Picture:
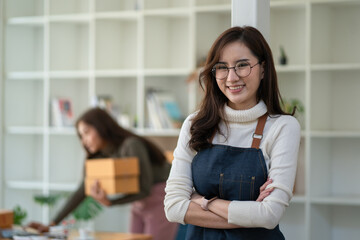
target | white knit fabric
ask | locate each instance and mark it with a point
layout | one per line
(280, 145)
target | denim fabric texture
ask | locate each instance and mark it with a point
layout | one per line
(230, 173)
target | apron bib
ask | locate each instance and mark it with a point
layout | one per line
(231, 173)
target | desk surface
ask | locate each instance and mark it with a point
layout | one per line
(116, 236)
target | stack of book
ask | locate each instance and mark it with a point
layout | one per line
(61, 112)
(163, 110)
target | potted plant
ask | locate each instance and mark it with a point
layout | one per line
(291, 105)
(294, 106)
(283, 57)
(20, 215)
(84, 215)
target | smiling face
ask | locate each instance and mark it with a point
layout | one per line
(90, 137)
(240, 91)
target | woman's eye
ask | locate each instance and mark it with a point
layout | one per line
(221, 67)
(242, 64)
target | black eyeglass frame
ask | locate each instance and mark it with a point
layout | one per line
(213, 70)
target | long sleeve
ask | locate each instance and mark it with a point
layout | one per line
(135, 148)
(281, 146)
(179, 185)
(77, 197)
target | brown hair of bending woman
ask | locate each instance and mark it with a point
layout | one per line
(110, 131)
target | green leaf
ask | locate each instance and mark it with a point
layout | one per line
(87, 210)
(49, 200)
(289, 105)
(19, 215)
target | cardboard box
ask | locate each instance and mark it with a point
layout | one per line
(169, 156)
(116, 175)
(6, 218)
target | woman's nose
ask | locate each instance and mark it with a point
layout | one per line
(232, 76)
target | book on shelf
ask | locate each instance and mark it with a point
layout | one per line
(163, 110)
(61, 112)
(118, 113)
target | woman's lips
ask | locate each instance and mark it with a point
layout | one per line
(236, 88)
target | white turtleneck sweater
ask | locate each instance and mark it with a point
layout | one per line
(280, 145)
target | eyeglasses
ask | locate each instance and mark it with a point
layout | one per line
(242, 69)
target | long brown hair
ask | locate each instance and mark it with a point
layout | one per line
(206, 122)
(110, 131)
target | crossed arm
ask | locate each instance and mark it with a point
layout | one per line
(217, 216)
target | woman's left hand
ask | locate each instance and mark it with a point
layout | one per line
(197, 198)
(264, 192)
(99, 194)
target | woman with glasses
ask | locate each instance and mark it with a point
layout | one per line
(239, 138)
(102, 137)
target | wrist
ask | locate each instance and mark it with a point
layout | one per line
(205, 203)
(107, 202)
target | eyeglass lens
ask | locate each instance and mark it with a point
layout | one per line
(221, 71)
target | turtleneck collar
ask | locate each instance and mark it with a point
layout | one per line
(247, 115)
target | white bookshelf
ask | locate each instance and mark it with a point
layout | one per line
(322, 71)
(78, 49)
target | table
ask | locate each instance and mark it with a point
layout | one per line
(116, 236)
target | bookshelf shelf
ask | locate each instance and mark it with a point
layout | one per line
(214, 8)
(32, 185)
(158, 133)
(335, 134)
(69, 74)
(337, 200)
(290, 68)
(286, 5)
(83, 49)
(167, 72)
(75, 18)
(25, 76)
(116, 73)
(335, 67)
(27, 21)
(168, 12)
(25, 130)
(123, 15)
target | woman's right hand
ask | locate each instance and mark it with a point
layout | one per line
(99, 194)
(265, 192)
(39, 227)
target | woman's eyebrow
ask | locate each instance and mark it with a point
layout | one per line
(240, 60)
(243, 60)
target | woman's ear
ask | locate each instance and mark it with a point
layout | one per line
(262, 69)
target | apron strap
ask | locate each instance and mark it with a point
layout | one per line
(258, 134)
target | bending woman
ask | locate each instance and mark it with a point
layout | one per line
(102, 137)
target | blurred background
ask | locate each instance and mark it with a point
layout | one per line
(140, 60)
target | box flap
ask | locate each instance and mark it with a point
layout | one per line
(112, 167)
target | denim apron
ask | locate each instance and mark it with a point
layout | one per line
(231, 173)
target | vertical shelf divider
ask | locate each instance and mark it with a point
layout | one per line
(192, 86)
(307, 117)
(140, 76)
(46, 99)
(2, 103)
(92, 52)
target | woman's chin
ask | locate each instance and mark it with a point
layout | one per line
(92, 150)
